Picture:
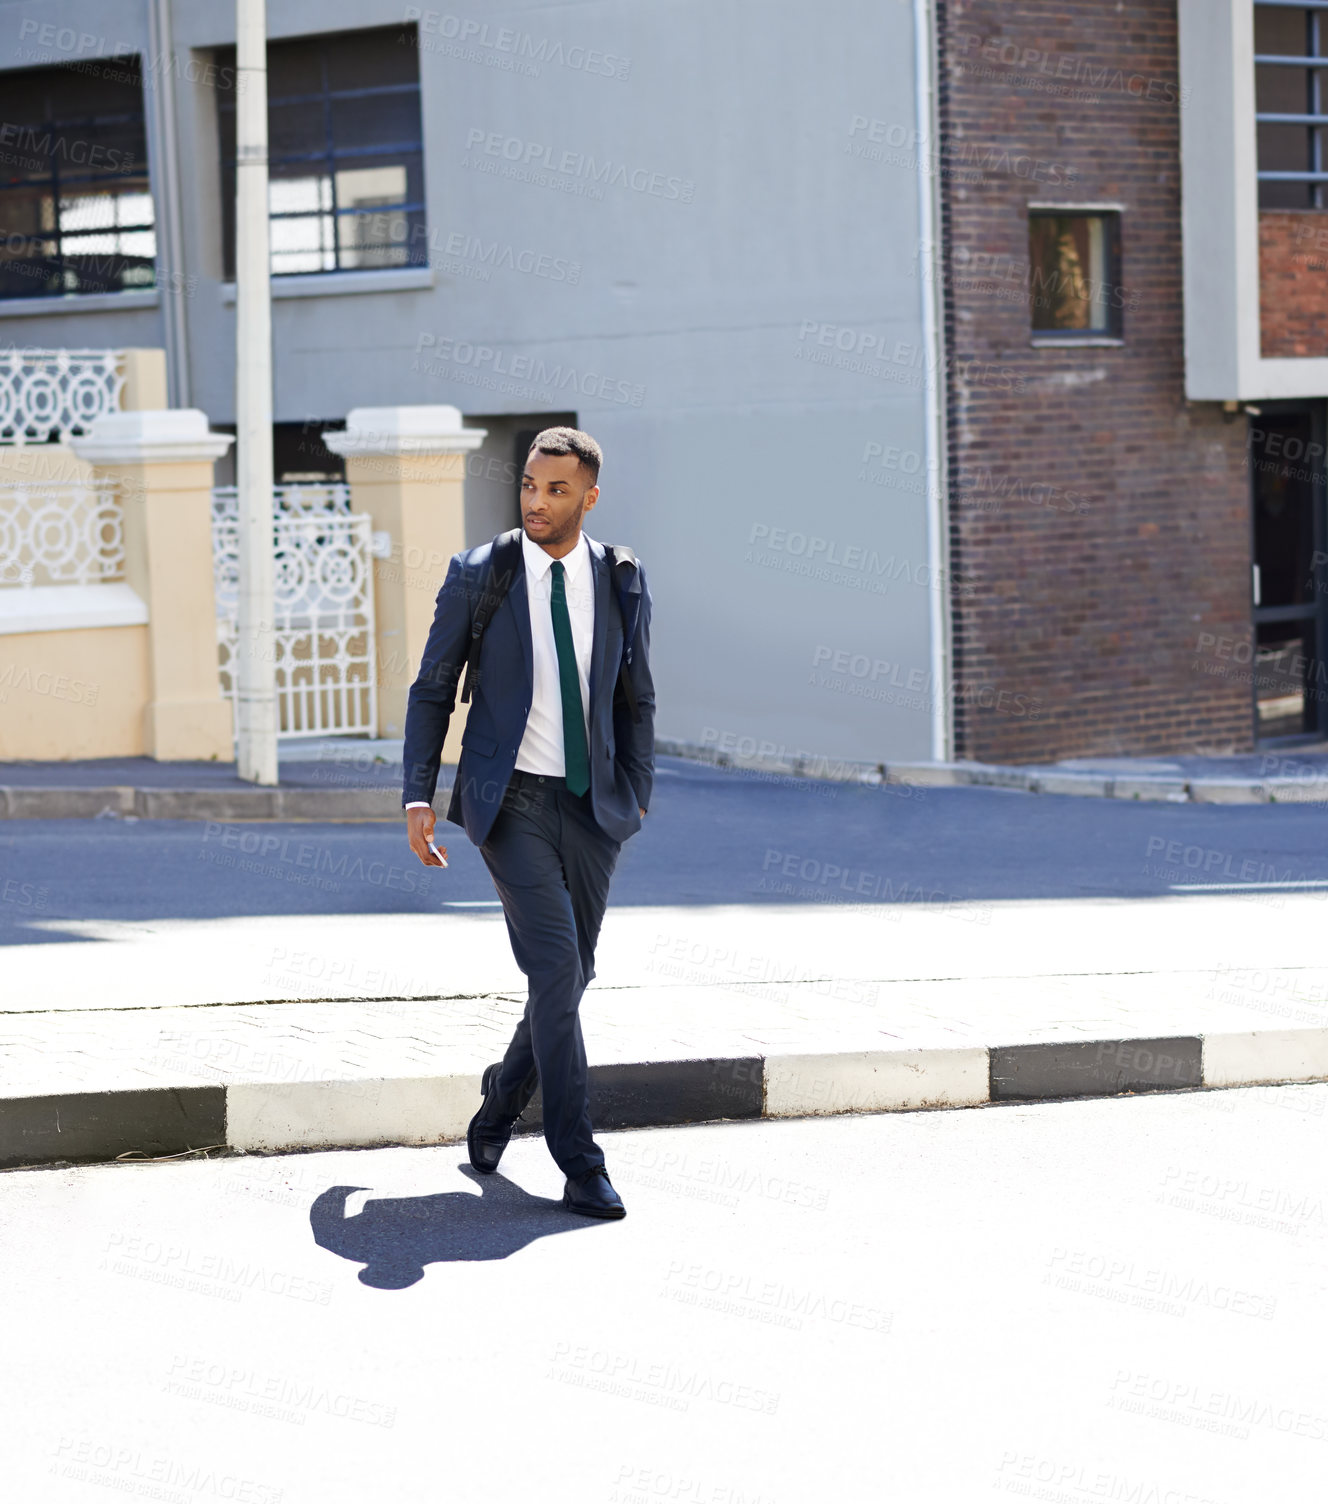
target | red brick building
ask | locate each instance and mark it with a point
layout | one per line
(1129, 191)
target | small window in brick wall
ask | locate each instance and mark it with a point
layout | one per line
(1074, 275)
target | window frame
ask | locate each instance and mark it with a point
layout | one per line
(57, 184)
(1113, 259)
(1314, 119)
(334, 158)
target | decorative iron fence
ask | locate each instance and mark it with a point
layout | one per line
(45, 393)
(305, 499)
(60, 535)
(327, 680)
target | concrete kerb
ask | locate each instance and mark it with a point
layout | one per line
(1166, 790)
(1090, 785)
(22, 803)
(1228, 789)
(284, 803)
(27, 803)
(286, 1116)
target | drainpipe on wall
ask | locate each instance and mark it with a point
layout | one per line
(933, 339)
(255, 679)
(165, 174)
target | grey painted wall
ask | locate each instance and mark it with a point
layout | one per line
(704, 307)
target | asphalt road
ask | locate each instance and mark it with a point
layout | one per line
(711, 837)
(1105, 1300)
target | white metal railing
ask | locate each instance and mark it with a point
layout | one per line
(56, 392)
(305, 498)
(324, 611)
(60, 535)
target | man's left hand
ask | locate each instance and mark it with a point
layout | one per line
(643, 813)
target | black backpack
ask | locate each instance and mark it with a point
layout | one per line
(505, 558)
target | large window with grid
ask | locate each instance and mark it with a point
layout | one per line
(75, 203)
(345, 153)
(1291, 102)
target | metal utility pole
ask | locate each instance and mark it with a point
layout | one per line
(256, 679)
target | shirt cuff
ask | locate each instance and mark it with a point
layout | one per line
(419, 804)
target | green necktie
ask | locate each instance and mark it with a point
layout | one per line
(576, 758)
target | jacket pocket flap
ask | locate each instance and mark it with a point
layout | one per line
(482, 746)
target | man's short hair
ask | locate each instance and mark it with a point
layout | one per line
(571, 441)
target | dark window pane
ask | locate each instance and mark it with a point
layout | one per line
(1071, 278)
(1284, 148)
(376, 120)
(1286, 196)
(1284, 699)
(1279, 29)
(1283, 508)
(365, 60)
(296, 129)
(76, 210)
(1279, 90)
(294, 68)
(226, 127)
(28, 268)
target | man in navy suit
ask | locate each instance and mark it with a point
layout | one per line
(556, 771)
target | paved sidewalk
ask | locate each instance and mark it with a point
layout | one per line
(1122, 1300)
(152, 1005)
(155, 1045)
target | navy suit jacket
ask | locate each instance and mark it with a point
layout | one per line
(622, 751)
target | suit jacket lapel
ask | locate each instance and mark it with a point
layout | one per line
(599, 566)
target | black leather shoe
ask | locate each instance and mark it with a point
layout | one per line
(593, 1196)
(489, 1130)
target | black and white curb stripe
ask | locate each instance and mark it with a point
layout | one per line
(269, 1117)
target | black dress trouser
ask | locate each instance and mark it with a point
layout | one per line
(551, 864)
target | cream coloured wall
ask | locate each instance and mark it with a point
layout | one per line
(43, 464)
(78, 676)
(73, 694)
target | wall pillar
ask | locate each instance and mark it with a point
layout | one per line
(161, 465)
(145, 380)
(407, 468)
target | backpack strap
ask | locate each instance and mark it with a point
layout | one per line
(626, 576)
(504, 561)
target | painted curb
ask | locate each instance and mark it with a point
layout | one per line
(19, 802)
(283, 1116)
(1210, 789)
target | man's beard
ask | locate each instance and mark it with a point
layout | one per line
(568, 530)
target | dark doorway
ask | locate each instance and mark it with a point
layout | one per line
(298, 453)
(1289, 577)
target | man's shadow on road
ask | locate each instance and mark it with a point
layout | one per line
(396, 1238)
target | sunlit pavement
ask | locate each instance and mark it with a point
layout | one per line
(1114, 1299)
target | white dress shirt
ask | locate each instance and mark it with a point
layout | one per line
(541, 749)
